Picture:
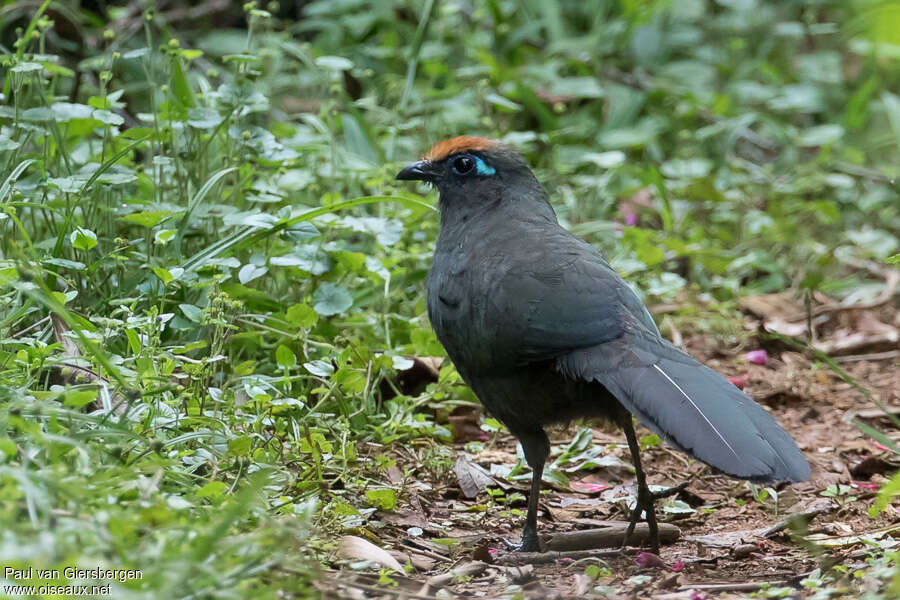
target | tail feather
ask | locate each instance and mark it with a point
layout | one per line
(692, 407)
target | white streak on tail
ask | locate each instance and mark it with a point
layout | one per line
(678, 387)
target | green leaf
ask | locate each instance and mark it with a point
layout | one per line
(334, 63)
(190, 53)
(694, 168)
(108, 117)
(650, 441)
(213, 489)
(385, 499)
(886, 495)
(877, 241)
(331, 299)
(83, 239)
(302, 315)
(8, 447)
(164, 236)
(821, 135)
(319, 368)
(285, 357)
(240, 446)
(65, 263)
(79, 398)
(180, 86)
(27, 67)
(677, 507)
(134, 341)
(204, 118)
(68, 111)
(250, 272)
(193, 313)
(319, 443)
(163, 274)
(147, 218)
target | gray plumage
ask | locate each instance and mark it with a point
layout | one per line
(544, 330)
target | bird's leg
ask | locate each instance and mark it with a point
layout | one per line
(537, 448)
(645, 499)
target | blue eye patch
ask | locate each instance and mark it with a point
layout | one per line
(482, 167)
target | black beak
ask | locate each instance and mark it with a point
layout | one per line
(418, 171)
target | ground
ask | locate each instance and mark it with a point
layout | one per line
(726, 547)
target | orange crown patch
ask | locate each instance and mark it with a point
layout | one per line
(463, 143)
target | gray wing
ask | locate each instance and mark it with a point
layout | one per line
(584, 316)
(572, 299)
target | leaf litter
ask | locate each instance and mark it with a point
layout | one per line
(735, 538)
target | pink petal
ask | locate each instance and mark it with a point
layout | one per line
(631, 219)
(757, 357)
(740, 381)
(678, 566)
(697, 596)
(588, 488)
(648, 560)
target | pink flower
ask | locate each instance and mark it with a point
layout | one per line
(648, 560)
(740, 381)
(678, 566)
(697, 596)
(757, 357)
(631, 219)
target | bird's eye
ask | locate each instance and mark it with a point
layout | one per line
(463, 165)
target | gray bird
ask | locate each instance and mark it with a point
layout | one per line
(544, 331)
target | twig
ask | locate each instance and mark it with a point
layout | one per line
(611, 535)
(408, 546)
(468, 569)
(369, 588)
(873, 356)
(543, 558)
(820, 507)
(749, 586)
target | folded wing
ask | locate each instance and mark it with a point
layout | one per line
(586, 318)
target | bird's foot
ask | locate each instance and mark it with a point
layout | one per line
(529, 543)
(645, 504)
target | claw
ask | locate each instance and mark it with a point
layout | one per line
(528, 544)
(646, 501)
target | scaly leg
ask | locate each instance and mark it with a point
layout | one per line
(537, 448)
(645, 499)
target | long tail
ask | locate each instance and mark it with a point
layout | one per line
(692, 407)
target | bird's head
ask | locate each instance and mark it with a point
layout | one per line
(472, 172)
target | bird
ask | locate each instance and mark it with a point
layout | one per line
(544, 330)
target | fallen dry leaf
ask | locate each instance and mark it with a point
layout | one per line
(473, 479)
(356, 548)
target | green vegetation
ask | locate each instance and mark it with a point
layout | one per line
(209, 279)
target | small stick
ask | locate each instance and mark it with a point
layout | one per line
(749, 586)
(543, 558)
